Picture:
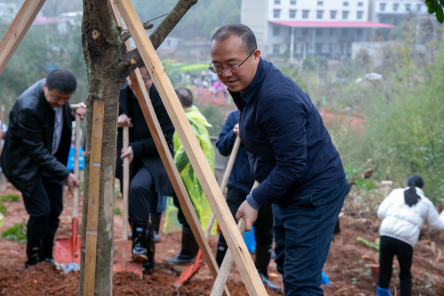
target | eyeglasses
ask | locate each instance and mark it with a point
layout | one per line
(231, 68)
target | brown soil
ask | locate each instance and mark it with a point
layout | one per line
(348, 264)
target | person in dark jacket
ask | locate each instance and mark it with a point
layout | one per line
(35, 155)
(239, 186)
(148, 177)
(290, 154)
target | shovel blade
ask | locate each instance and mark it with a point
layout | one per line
(189, 272)
(64, 252)
(134, 267)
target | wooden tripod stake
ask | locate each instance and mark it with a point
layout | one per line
(197, 158)
(93, 198)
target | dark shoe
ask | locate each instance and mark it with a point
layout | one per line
(33, 252)
(47, 246)
(220, 253)
(189, 249)
(139, 251)
(155, 223)
(267, 282)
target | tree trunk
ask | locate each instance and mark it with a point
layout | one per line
(108, 64)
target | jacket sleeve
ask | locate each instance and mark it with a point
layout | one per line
(32, 137)
(283, 119)
(386, 204)
(433, 218)
(226, 138)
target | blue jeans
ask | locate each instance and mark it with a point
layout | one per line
(303, 233)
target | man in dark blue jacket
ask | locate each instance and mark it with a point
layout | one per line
(239, 186)
(290, 154)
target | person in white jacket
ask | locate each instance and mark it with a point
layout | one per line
(403, 213)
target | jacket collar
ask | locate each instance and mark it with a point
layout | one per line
(254, 86)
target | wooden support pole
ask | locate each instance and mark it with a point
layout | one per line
(92, 221)
(227, 263)
(168, 161)
(197, 158)
(17, 30)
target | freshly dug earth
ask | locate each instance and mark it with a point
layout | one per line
(348, 263)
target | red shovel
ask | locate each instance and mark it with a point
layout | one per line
(125, 264)
(67, 251)
(193, 268)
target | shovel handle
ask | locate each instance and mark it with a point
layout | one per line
(125, 184)
(75, 202)
(224, 182)
(227, 263)
(225, 268)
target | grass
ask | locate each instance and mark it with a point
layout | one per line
(9, 197)
(117, 211)
(3, 208)
(16, 232)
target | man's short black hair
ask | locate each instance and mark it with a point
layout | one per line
(62, 80)
(185, 97)
(239, 30)
(142, 66)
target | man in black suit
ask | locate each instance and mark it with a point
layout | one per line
(148, 177)
(35, 154)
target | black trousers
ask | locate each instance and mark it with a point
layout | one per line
(140, 194)
(180, 215)
(44, 205)
(263, 227)
(388, 248)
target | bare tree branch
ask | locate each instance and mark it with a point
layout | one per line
(126, 35)
(168, 23)
(162, 31)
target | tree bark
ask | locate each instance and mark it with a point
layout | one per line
(108, 65)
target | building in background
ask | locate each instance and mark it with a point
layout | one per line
(320, 27)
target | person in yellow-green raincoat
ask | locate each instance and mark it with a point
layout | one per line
(200, 203)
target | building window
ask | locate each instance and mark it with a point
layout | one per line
(276, 31)
(359, 15)
(319, 14)
(360, 4)
(332, 31)
(292, 2)
(276, 13)
(360, 32)
(305, 14)
(277, 2)
(292, 13)
(345, 3)
(382, 6)
(304, 31)
(276, 48)
(318, 31)
(418, 7)
(333, 15)
(395, 7)
(344, 32)
(345, 15)
(320, 3)
(407, 7)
